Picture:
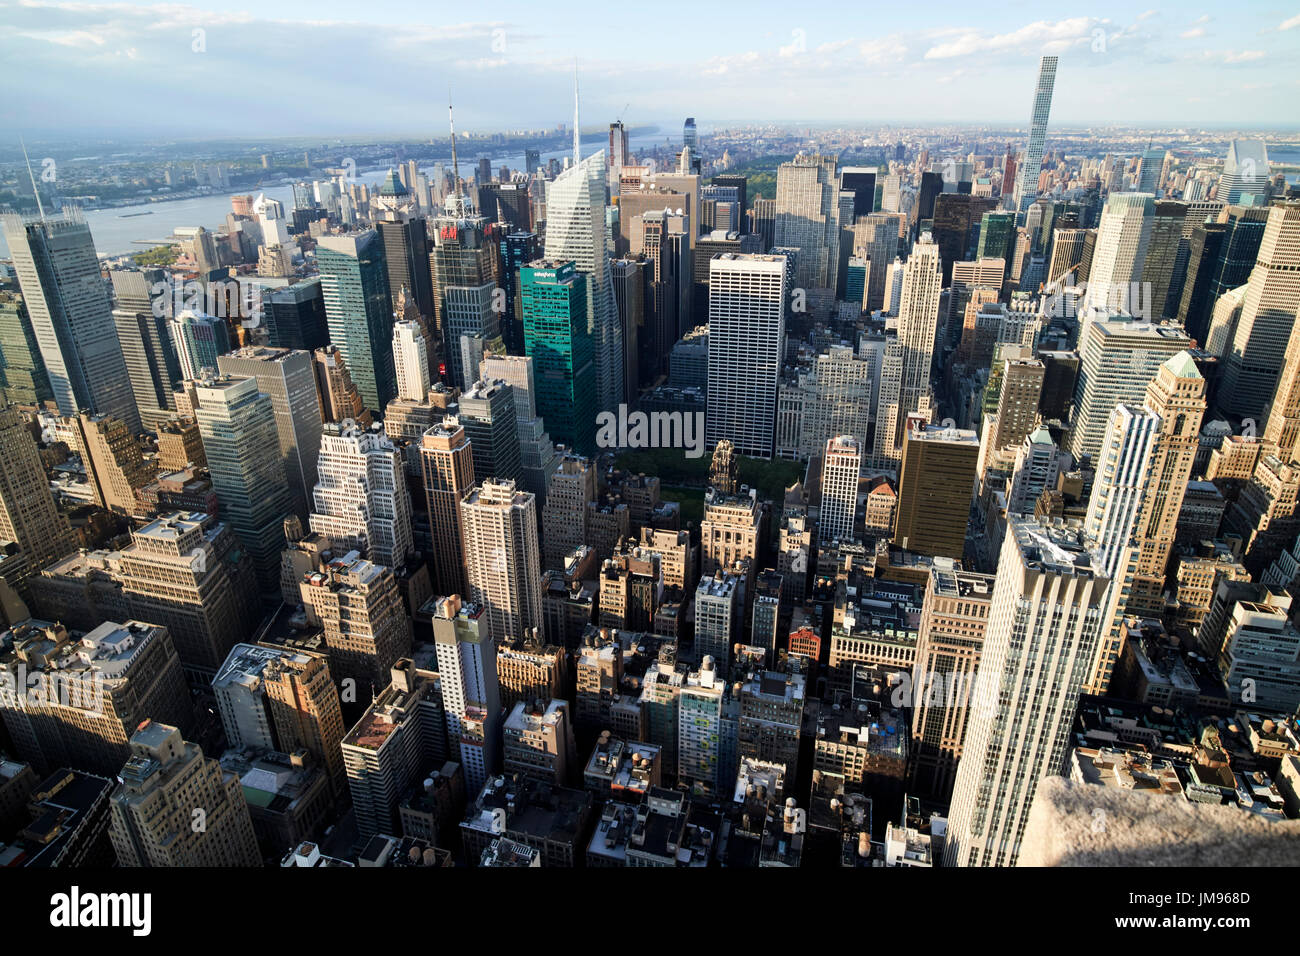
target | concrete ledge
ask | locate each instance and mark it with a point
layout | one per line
(1079, 824)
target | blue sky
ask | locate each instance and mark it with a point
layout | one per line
(293, 67)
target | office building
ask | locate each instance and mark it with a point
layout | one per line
(71, 314)
(175, 807)
(935, 486)
(295, 316)
(948, 650)
(358, 307)
(242, 445)
(538, 741)
(284, 700)
(576, 232)
(503, 563)
(105, 683)
(401, 735)
(147, 349)
(185, 572)
(360, 610)
(553, 303)
(471, 696)
(361, 501)
(807, 219)
(747, 296)
(1117, 360)
(1048, 608)
(1259, 343)
(841, 467)
(288, 378)
(198, 339)
(447, 465)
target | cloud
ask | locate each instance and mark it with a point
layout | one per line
(1193, 33)
(1147, 15)
(1041, 34)
(1290, 24)
(1233, 56)
(1203, 18)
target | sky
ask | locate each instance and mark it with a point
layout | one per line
(231, 68)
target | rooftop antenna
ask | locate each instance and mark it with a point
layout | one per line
(458, 204)
(39, 207)
(576, 136)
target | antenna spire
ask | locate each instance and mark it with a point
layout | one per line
(39, 207)
(458, 204)
(577, 155)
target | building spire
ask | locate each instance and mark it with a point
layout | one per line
(577, 155)
(458, 204)
(41, 208)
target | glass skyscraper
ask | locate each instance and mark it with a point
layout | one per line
(553, 301)
(354, 283)
(575, 231)
(71, 314)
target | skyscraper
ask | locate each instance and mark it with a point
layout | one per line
(1120, 254)
(471, 695)
(185, 571)
(905, 382)
(23, 379)
(576, 232)
(1026, 190)
(401, 735)
(1245, 173)
(410, 361)
(1048, 606)
(295, 316)
(113, 461)
(71, 314)
(366, 629)
(463, 285)
(1117, 361)
(747, 304)
(198, 339)
(28, 514)
(502, 559)
(490, 420)
(1177, 396)
(1260, 340)
(949, 645)
(358, 306)
(237, 423)
(935, 486)
(288, 378)
(360, 500)
(147, 348)
(807, 218)
(448, 468)
(841, 466)
(553, 303)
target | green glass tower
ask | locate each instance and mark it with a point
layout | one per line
(23, 379)
(354, 284)
(553, 301)
(997, 238)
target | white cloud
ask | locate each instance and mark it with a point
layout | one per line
(1193, 33)
(1291, 24)
(1060, 34)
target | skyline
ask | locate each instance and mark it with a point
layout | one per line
(515, 71)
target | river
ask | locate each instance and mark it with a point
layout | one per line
(117, 232)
